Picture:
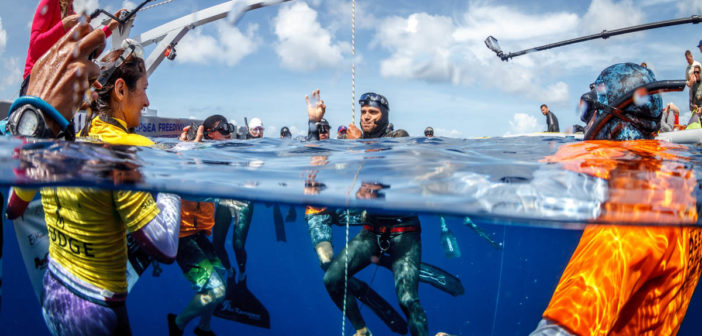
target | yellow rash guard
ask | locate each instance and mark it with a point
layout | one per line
(87, 227)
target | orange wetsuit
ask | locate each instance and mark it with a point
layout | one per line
(196, 217)
(631, 280)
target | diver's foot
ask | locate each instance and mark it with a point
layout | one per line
(202, 332)
(363, 332)
(173, 329)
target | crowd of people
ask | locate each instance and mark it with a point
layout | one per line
(655, 270)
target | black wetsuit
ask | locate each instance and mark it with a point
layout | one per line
(395, 237)
(552, 122)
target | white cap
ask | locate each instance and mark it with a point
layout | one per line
(255, 122)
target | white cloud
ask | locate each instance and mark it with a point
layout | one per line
(523, 123)
(606, 14)
(439, 48)
(129, 5)
(85, 5)
(229, 47)
(303, 45)
(3, 38)
(12, 76)
(689, 7)
(451, 133)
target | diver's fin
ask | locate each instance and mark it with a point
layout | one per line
(292, 215)
(279, 224)
(434, 276)
(377, 304)
(441, 279)
(242, 306)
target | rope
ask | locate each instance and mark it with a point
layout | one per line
(353, 61)
(155, 5)
(348, 195)
(346, 249)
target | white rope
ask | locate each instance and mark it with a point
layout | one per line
(155, 5)
(353, 119)
(353, 61)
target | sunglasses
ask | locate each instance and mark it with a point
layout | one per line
(428, 133)
(616, 110)
(373, 99)
(696, 72)
(131, 47)
(257, 129)
(323, 129)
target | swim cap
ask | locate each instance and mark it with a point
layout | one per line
(342, 128)
(255, 122)
(624, 110)
(378, 101)
(428, 130)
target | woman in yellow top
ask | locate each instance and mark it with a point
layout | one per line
(86, 284)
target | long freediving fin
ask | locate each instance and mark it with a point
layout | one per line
(378, 305)
(434, 276)
(242, 306)
(279, 224)
(441, 279)
(292, 215)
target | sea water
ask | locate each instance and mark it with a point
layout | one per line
(509, 265)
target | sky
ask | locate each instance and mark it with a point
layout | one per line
(427, 57)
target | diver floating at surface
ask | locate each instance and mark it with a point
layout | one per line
(239, 304)
(629, 279)
(393, 240)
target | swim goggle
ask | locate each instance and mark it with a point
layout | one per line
(257, 129)
(224, 128)
(589, 104)
(131, 47)
(375, 100)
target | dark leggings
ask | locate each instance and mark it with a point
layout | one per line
(66, 313)
(242, 222)
(405, 257)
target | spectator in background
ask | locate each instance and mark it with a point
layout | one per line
(341, 132)
(690, 66)
(429, 132)
(551, 120)
(255, 129)
(643, 64)
(285, 133)
(52, 20)
(669, 117)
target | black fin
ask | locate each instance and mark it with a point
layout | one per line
(242, 306)
(441, 279)
(434, 276)
(292, 215)
(377, 304)
(279, 224)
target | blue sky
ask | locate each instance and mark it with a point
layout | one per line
(427, 57)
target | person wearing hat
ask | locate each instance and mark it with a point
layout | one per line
(341, 132)
(429, 132)
(699, 45)
(285, 133)
(255, 129)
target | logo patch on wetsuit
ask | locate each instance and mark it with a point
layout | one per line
(69, 243)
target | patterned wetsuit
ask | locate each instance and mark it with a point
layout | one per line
(631, 280)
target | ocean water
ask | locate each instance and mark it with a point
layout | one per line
(533, 209)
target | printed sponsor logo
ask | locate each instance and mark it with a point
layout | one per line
(69, 243)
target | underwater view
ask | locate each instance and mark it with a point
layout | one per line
(495, 228)
(145, 202)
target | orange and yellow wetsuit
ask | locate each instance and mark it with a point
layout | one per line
(631, 279)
